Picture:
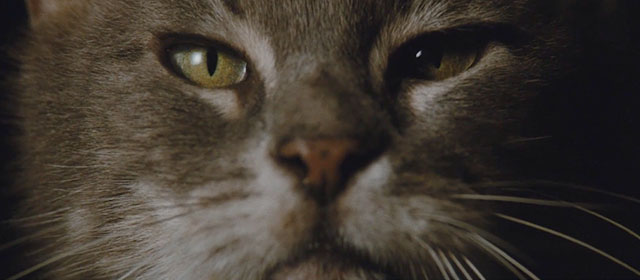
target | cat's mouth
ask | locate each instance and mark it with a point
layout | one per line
(329, 264)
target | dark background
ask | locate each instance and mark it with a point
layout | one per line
(13, 22)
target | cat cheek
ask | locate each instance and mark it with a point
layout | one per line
(422, 99)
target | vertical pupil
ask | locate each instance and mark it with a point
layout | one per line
(431, 56)
(437, 58)
(212, 61)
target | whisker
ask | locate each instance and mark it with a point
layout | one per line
(29, 237)
(542, 202)
(178, 205)
(424, 273)
(191, 211)
(608, 220)
(448, 265)
(72, 270)
(34, 217)
(217, 199)
(439, 264)
(413, 272)
(504, 263)
(602, 217)
(528, 139)
(591, 189)
(486, 244)
(460, 266)
(58, 257)
(471, 231)
(173, 245)
(41, 223)
(170, 218)
(434, 256)
(474, 268)
(559, 185)
(132, 271)
(457, 224)
(571, 239)
(504, 198)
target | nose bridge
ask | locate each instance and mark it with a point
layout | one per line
(325, 128)
(319, 105)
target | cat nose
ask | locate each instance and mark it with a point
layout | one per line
(321, 163)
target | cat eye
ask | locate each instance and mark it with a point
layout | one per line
(440, 55)
(208, 67)
(438, 64)
(432, 58)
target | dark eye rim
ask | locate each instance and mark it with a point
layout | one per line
(469, 37)
(169, 42)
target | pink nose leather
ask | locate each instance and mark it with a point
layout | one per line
(322, 158)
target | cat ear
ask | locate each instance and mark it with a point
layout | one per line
(40, 10)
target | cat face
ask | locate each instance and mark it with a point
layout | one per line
(216, 139)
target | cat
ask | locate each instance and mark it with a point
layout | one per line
(252, 139)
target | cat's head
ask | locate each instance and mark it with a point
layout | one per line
(214, 139)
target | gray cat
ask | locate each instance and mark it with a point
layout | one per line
(346, 139)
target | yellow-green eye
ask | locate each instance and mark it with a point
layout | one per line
(434, 57)
(208, 67)
(440, 65)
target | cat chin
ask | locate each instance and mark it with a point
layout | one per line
(328, 266)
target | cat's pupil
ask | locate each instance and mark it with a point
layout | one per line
(212, 61)
(429, 58)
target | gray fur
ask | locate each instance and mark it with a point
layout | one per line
(151, 181)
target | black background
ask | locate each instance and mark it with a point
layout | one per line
(13, 23)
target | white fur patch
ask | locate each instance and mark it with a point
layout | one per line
(258, 48)
(233, 239)
(422, 98)
(225, 101)
(375, 175)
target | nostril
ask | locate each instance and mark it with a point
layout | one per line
(293, 163)
(356, 161)
(320, 163)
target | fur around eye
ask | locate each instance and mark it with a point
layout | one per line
(440, 55)
(207, 67)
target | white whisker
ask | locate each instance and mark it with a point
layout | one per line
(571, 239)
(542, 202)
(503, 262)
(424, 273)
(542, 183)
(504, 198)
(434, 256)
(57, 258)
(29, 237)
(34, 217)
(602, 217)
(457, 224)
(528, 139)
(474, 268)
(556, 203)
(484, 242)
(448, 265)
(132, 271)
(608, 220)
(460, 266)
